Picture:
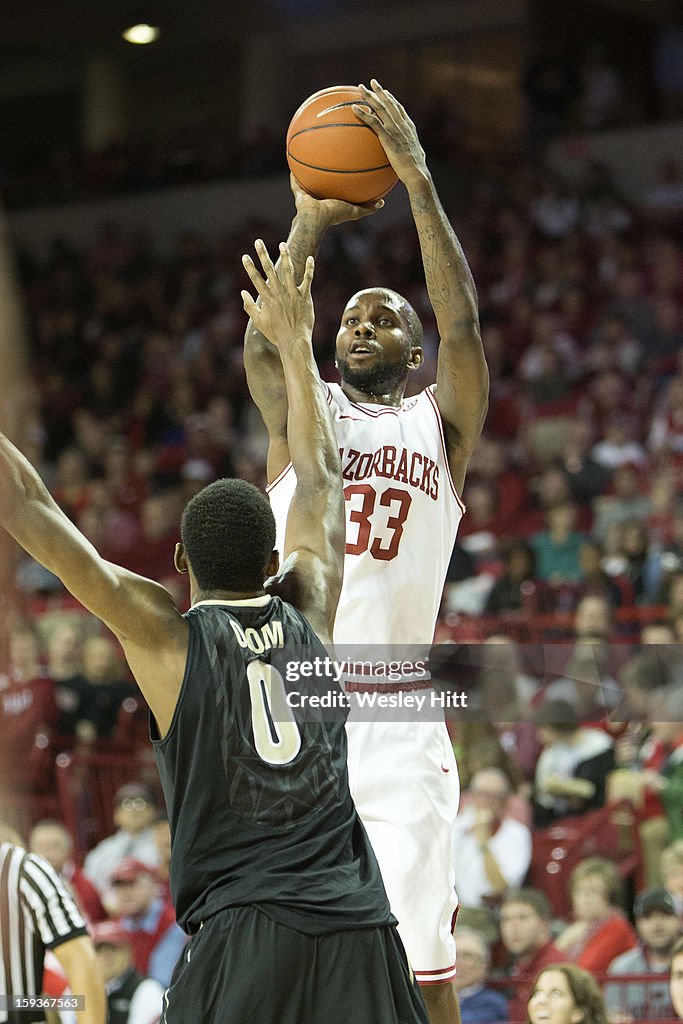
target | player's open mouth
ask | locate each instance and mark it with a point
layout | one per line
(361, 350)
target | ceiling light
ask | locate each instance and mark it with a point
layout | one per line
(141, 34)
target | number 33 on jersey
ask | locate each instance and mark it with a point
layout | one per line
(402, 515)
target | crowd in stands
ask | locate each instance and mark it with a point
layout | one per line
(574, 488)
(509, 938)
(567, 578)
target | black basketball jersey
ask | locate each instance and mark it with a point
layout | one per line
(257, 791)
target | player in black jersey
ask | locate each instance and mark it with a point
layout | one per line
(271, 870)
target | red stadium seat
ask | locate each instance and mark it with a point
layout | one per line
(608, 832)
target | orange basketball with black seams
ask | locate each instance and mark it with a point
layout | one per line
(332, 154)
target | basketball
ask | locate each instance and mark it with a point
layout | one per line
(332, 154)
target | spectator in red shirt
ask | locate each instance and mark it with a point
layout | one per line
(27, 714)
(525, 917)
(489, 463)
(52, 841)
(600, 931)
(152, 554)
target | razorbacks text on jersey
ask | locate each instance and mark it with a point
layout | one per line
(258, 802)
(402, 515)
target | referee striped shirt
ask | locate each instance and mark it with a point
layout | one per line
(36, 913)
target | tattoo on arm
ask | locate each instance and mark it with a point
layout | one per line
(304, 240)
(420, 205)
(449, 281)
(438, 284)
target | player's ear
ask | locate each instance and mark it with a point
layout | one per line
(180, 558)
(273, 566)
(416, 358)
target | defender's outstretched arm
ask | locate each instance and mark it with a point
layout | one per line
(314, 543)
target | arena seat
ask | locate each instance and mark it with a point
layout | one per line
(608, 832)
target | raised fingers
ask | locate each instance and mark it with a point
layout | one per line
(265, 259)
(286, 265)
(256, 278)
(380, 103)
(393, 108)
(387, 98)
(369, 117)
(305, 286)
(258, 282)
(250, 306)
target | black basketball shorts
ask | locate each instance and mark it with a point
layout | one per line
(243, 968)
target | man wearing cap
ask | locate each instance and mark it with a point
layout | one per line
(658, 929)
(156, 940)
(132, 998)
(134, 813)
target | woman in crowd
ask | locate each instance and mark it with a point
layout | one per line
(600, 931)
(566, 994)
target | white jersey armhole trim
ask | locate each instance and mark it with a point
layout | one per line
(439, 422)
(283, 473)
(278, 478)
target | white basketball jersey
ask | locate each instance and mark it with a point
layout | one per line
(402, 515)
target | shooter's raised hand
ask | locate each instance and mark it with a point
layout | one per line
(330, 211)
(284, 309)
(382, 112)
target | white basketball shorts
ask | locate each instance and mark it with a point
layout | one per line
(404, 781)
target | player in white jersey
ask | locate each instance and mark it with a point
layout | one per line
(404, 463)
(402, 516)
